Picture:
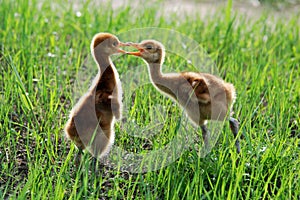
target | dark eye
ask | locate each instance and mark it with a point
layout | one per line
(149, 47)
(115, 43)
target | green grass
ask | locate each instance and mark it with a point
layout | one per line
(43, 50)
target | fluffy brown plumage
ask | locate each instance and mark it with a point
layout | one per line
(91, 122)
(191, 90)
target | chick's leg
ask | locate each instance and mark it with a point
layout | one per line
(234, 126)
(205, 135)
(77, 159)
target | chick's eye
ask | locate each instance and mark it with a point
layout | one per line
(115, 43)
(149, 47)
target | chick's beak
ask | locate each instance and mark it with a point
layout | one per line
(121, 51)
(138, 53)
(121, 44)
(135, 45)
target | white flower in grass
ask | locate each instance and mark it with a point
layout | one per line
(263, 149)
(265, 38)
(51, 55)
(16, 15)
(78, 14)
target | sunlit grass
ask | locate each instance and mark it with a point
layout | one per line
(43, 46)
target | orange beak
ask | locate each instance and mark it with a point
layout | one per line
(134, 53)
(121, 44)
(121, 51)
(135, 45)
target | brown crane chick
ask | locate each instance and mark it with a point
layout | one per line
(203, 96)
(91, 121)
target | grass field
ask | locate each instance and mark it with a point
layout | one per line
(43, 46)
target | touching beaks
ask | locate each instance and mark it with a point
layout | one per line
(121, 44)
(137, 46)
(138, 53)
(121, 51)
